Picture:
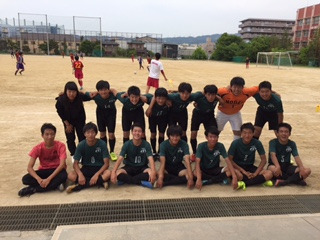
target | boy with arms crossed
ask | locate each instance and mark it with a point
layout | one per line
(94, 156)
(207, 168)
(242, 155)
(52, 170)
(270, 109)
(135, 154)
(280, 150)
(172, 152)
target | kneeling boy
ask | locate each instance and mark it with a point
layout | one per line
(94, 156)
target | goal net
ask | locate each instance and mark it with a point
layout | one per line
(274, 59)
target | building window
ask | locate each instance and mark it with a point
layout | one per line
(316, 20)
(307, 21)
(298, 34)
(305, 33)
(296, 45)
(303, 44)
(300, 22)
(33, 42)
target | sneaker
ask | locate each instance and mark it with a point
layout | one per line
(106, 185)
(226, 181)
(26, 191)
(156, 157)
(193, 158)
(241, 185)
(155, 185)
(113, 156)
(280, 182)
(81, 88)
(268, 183)
(72, 159)
(72, 188)
(61, 187)
(302, 183)
(146, 184)
(206, 182)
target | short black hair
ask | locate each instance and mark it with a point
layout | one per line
(48, 126)
(239, 81)
(90, 126)
(174, 130)
(185, 87)
(212, 89)
(102, 84)
(161, 92)
(157, 55)
(136, 124)
(212, 130)
(265, 84)
(285, 125)
(134, 90)
(76, 57)
(248, 125)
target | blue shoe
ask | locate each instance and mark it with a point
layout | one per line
(226, 181)
(146, 184)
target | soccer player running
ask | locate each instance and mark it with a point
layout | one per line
(156, 68)
(78, 73)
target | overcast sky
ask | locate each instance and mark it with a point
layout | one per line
(171, 18)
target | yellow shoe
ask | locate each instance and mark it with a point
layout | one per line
(268, 183)
(113, 156)
(242, 185)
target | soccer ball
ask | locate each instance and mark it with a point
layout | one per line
(135, 72)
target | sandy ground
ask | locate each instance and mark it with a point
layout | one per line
(28, 101)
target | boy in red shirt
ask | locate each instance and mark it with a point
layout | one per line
(52, 170)
(77, 68)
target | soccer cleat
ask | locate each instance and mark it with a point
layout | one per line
(72, 188)
(280, 182)
(302, 183)
(241, 185)
(61, 187)
(193, 158)
(106, 185)
(268, 183)
(226, 181)
(155, 185)
(156, 157)
(26, 191)
(146, 184)
(81, 88)
(113, 156)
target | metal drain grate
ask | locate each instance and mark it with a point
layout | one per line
(23, 218)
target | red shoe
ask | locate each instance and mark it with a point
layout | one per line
(193, 158)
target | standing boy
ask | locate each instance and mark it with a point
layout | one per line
(94, 156)
(270, 109)
(172, 153)
(140, 61)
(135, 154)
(158, 118)
(208, 168)
(77, 68)
(242, 154)
(156, 68)
(20, 64)
(52, 170)
(280, 151)
(234, 98)
(203, 113)
(106, 114)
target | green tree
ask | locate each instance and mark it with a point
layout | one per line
(314, 47)
(199, 54)
(25, 49)
(304, 56)
(52, 45)
(87, 47)
(258, 44)
(227, 47)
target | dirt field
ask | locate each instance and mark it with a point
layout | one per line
(28, 101)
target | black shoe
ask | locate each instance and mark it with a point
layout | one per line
(156, 157)
(27, 191)
(302, 183)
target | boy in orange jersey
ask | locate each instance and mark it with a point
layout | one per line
(77, 68)
(234, 97)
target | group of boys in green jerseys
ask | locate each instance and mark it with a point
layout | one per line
(138, 156)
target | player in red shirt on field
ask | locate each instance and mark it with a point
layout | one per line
(77, 68)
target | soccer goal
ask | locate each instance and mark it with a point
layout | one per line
(274, 59)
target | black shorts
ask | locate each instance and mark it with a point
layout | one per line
(106, 119)
(89, 171)
(249, 168)
(130, 117)
(287, 169)
(212, 171)
(174, 169)
(133, 171)
(161, 122)
(207, 119)
(180, 118)
(263, 117)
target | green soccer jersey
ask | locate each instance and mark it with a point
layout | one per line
(210, 158)
(244, 154)
(157, 110)
(136, 156)
(102, 103)
(283, 152)
(204, 106)
(174, 154)
(91, 155)
(272, 105)
(127, 104)
(178, 105)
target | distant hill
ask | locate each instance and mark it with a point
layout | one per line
(191, 40)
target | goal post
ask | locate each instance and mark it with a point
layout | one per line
(274, 59)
